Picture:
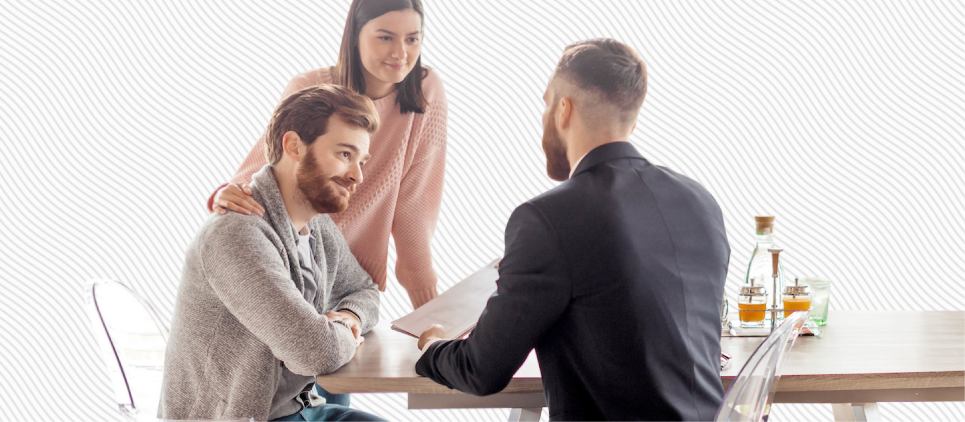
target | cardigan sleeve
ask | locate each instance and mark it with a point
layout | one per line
(420, 195)
(353, 288)
(241, 261)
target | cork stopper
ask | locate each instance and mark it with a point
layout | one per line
(765, 224)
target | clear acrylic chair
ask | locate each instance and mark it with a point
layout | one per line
(131, 339)
(749, 397)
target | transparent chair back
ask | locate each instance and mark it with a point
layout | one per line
(131, 339)
(750, 396)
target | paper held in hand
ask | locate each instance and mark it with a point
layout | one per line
(457, 309)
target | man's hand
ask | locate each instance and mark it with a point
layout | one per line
(236, 198)
(435, 332)
(350, 320)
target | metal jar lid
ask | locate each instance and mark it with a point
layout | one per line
(752, 291)
(796, 290)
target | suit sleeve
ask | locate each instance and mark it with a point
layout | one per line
(532, 292)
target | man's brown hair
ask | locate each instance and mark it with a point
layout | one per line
(307, 112)
(608, 69)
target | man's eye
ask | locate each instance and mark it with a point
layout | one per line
(413, 40)
(385, 38)
(345, 154)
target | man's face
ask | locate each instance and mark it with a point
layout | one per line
(332, 167)
(557, 165)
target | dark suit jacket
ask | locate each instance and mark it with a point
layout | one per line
(615, 277)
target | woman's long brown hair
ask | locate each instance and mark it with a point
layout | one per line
(348, 71)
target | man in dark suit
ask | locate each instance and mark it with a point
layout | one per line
(614, 276)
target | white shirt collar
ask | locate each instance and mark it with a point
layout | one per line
(577, 164)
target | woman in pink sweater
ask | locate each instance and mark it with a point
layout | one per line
(402, 189)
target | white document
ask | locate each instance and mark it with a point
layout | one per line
(457, 309)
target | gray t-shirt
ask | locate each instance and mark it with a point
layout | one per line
(291, 384)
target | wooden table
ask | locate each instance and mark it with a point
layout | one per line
(861, 358)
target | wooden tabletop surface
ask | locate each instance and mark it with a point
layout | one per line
(856, 351)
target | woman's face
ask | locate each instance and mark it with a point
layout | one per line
(389, 46)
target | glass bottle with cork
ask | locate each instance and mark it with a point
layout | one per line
(760, 268)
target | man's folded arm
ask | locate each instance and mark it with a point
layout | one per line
(533, 290)
(354, 289)
(243, 264)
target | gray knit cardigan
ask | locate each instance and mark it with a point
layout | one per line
(240, 313)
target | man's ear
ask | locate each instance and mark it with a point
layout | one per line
(292, 145)
(565, 113)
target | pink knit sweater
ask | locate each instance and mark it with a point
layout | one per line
(401, 190)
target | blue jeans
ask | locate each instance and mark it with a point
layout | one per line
(335, 409)
(340, 399)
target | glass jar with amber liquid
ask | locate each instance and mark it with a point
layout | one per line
(764, 268)
(796, 298)
(752, 305)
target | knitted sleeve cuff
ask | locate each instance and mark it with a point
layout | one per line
(419, 297)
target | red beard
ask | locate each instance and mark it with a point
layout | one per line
(323, 192)
(557, 165)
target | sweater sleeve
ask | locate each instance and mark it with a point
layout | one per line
(256, 159)
(420, 195)
(242, 264)
(353, 288)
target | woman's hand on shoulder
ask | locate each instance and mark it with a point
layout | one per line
(237, 198)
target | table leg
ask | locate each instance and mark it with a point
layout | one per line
(858, 412)
(525, 415)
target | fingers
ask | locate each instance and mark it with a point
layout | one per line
(252, 205)
(348, 323)
(238, 207)
(237, 198)
(347, 320)
(435, 331)
(358, 343)
(354, 329)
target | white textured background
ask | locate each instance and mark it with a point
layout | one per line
(117, 119)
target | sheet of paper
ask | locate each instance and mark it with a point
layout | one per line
(456, 309)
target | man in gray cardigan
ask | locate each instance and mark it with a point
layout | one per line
(268, 302)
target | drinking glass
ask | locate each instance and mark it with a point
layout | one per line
(820, 296)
